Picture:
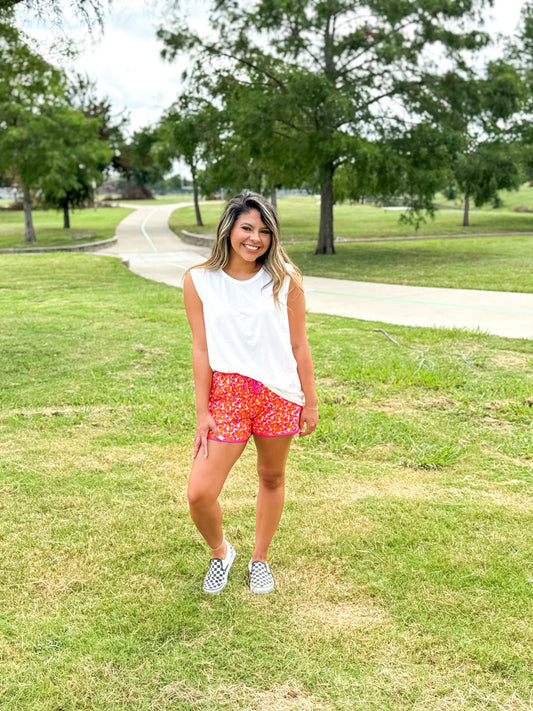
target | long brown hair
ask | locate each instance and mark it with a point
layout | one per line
(275, 259)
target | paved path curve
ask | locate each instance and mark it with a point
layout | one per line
(152, 250)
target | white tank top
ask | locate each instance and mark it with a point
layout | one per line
(246, 332)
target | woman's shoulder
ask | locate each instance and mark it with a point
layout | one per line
(200, 271)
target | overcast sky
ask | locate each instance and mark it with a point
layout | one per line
(125, 59)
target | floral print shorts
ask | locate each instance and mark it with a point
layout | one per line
(242, 406)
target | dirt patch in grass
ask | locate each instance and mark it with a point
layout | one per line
(286, 697)
(499, 404)
(512, 360)
(474, 698)
(498, 497)
(499, 424)
(410, 486)
(70, 573)
(345, 615)
(405, 405)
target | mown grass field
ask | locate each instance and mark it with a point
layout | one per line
(403, 560)
(496, 263)
(87, 225)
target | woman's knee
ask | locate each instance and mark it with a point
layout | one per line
(271, 478)
(200, 496)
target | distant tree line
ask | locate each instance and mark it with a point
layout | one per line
(348, 99)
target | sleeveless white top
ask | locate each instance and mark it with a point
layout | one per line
(246, 332)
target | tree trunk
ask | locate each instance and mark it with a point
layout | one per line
(29, 231)
(196, 203)
(325, 243)
(274, 198)
(66, 215)
(466, 217)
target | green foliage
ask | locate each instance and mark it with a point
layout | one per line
(137, 161)
(44, 144)
(75, 157)
(477, 117)
(520, 53)
(487, 168)
(189, 130)
(328, 78)
(30, 89)
(82, 95)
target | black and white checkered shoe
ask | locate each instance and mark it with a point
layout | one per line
(217, 574)
(261, 580)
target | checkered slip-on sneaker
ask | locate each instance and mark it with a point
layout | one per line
(261, 580)
(217, 574)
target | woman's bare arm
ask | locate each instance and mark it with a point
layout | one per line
(302, 355)
(203, 374)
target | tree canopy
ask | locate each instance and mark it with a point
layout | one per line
(44, 144)
(331, 75)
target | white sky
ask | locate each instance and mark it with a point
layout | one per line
(125, 59)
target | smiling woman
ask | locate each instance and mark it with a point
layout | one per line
(253, 374)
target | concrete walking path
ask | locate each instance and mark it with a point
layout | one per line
(152, 250)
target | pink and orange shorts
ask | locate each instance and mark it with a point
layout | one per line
(242, 406)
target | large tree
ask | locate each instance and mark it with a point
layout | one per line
(477, 118)
(30, 88)
(250, 151)
(189, 131)
(45, 146)
(337, 71)
(75, 158)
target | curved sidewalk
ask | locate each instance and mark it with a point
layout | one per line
(151, 249)
(501, 313)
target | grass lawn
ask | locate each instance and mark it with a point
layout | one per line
(403, 560)
(499, 263)
(88, 225)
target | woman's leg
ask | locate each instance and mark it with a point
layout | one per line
(272, 453)
(205, 484)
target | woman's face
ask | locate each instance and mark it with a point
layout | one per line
(249, 237)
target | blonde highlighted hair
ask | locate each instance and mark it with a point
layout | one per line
(275, 260)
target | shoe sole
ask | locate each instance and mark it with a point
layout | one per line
(262, 591)
(231, 553)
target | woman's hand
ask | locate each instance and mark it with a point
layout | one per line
(204, 425)
(308, 420)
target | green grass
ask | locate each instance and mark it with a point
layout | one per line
(87, 225)
(403, 559)
(498, 263)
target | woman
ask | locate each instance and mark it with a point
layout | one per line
(253, 375)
